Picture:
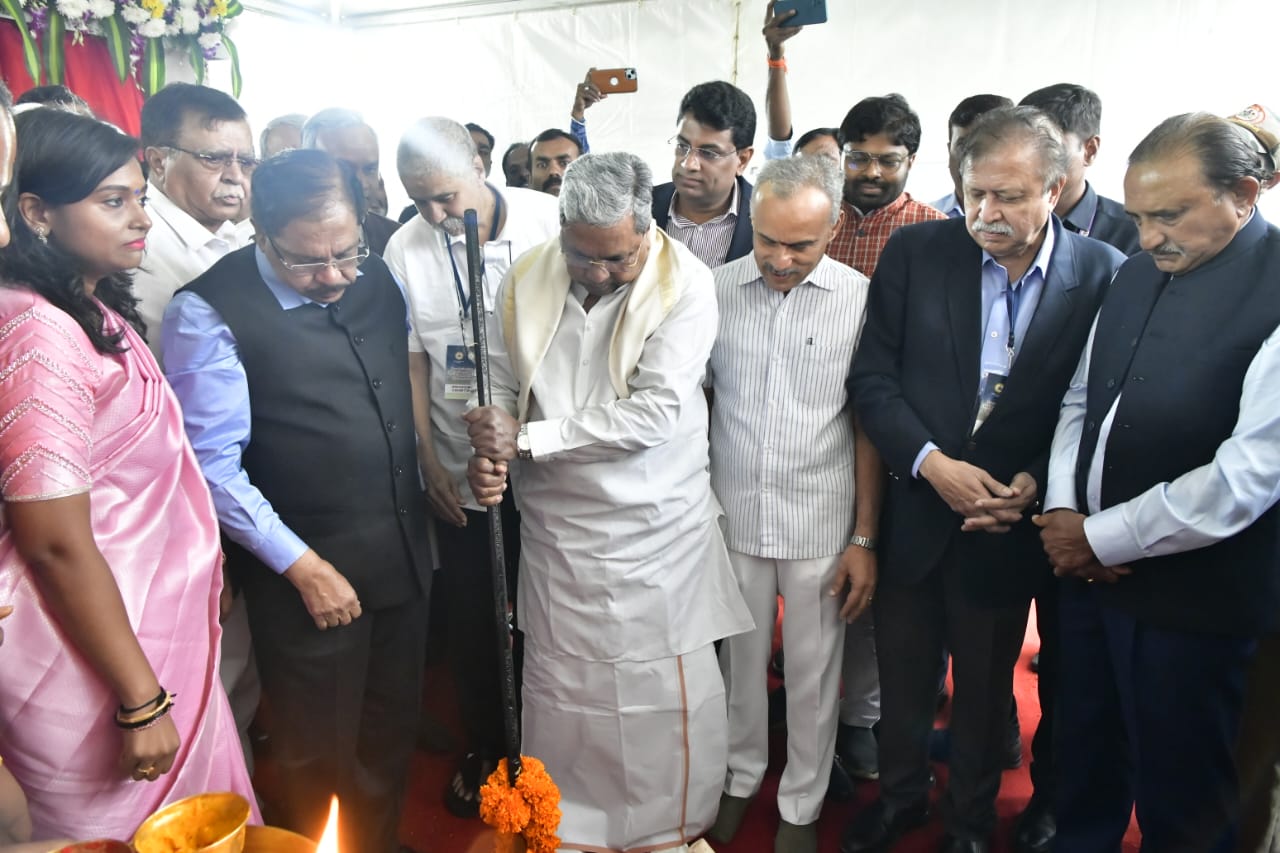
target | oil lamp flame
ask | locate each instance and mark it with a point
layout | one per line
(329, 838)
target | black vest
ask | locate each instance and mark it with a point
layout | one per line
(1178, 348)
(332, 443)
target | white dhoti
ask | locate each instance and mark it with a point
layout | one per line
(637, 748)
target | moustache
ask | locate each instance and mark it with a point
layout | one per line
(1167, 250)
(553, 181)
(1001, 228)
(772, 270)
(453, 226)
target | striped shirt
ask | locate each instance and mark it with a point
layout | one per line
(709, 241)
(782, 424)
(860, 238)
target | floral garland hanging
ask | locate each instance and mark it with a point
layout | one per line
(529, 810)
(136, 32)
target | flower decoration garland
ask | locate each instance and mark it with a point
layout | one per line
(531, 808)
(136, 32)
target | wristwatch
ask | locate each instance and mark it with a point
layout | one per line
(863, 542)
(523, 447)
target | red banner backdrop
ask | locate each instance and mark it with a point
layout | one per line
(89, 74)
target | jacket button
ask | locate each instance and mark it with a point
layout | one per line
(1091, 426)
(1111, 383)
(404, 511)
(971, 446)
(359, 339)
(391, 426)
(399, 470)
(1139, 379)
(377, 383)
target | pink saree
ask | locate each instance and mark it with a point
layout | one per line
(73, 420)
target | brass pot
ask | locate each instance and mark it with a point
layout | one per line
(272, 839)
(205, 823)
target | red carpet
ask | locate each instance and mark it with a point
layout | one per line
(428, 828)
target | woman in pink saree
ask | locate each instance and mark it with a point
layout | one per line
(109, 547)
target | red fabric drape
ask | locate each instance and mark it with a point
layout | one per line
(90, 75)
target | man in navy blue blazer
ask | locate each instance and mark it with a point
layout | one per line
(973, 331)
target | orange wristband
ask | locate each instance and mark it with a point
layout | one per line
(777, 63)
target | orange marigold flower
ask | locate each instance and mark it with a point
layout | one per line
(530, 809)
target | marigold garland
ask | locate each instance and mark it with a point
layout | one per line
(530, 809)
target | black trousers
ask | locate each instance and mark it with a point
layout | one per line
(1258, 752)
(1147, 717)
(913, 624)
(465, 581)
(345, 704)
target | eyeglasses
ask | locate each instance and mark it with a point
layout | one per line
(859, 160)
(706, 155)
(581, 262)
(219, 162)
(341, 264)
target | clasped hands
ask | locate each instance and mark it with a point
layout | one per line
(492, 431)
(985, 502)
(1071, 555)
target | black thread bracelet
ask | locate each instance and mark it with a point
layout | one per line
(155, 701)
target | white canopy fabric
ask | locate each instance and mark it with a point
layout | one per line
(512, 65)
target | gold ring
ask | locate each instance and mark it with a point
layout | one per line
(1090, 580)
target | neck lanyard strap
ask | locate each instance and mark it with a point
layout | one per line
(1012, 298)
(464, 298)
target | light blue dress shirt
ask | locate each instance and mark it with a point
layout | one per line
(995, 332)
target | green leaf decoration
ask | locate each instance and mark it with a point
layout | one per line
(116, 32)
(234, 8)
(197, 60)
(152, 66)
(234, 53)
(30, 55)
(55, 60)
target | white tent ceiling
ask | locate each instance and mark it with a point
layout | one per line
(381, 13)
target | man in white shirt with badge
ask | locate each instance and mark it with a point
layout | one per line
(444, 176)
(199, 153)
(783, 466)
(600, 347)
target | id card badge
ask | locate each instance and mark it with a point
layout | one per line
(988, 393)
(460, 373)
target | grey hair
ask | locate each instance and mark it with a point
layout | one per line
(1028, 125)
(291, 120)
(334, 118)
(601, 189)
(1226, 156)
(436, 146)
(788, 175)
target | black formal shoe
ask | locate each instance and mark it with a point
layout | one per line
(951, 844)
(876, 828)
(1035, 828)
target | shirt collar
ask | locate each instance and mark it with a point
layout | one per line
(1041, 262)
(192, 234)
(284, 294)
(732, 211)
(887, 210)
(1080, 218)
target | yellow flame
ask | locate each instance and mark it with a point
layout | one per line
(329, 838)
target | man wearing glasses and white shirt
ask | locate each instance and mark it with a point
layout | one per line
(199, 153)
(707, 205)
(444, 176)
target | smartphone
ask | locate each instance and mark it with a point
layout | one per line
(807, 12)
(612, 81)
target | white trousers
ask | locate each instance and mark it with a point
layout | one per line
(637, 749)
(860, 674)
(813, 639)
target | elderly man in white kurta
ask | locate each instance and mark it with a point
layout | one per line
(783, 466)
(602, 343)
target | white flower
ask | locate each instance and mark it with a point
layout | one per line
(188, 20)
(209, 41)
(102, 8)
(70, 9)
(135, 15)
(186, 4)
(152, 28)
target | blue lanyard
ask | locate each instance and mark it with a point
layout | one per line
(464, 299)
(1012, 299)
